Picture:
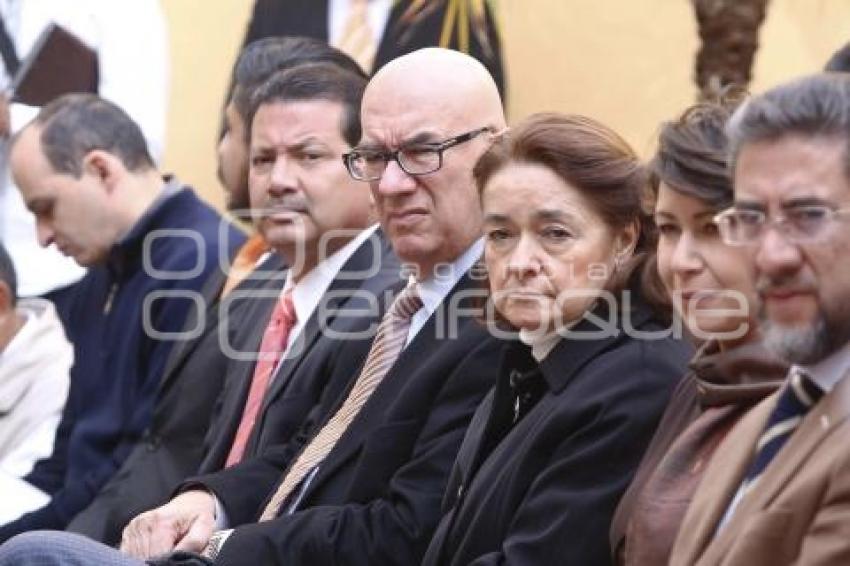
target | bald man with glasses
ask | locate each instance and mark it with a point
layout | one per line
(364, 481)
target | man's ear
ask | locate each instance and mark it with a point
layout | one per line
(103, 166)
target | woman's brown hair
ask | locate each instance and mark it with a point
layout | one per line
(693, 151)
(603, 168)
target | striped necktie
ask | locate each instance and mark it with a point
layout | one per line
(388, 343)
(357, 39)
(800, 395)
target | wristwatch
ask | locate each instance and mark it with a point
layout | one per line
(215, 543)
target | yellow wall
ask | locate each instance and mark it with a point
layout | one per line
(625, 62)
(205, 36)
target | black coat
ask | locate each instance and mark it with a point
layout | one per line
(302, 379)
(310, 18)
(172, 446)
(202, 398)
(542, 490)
(376, 497)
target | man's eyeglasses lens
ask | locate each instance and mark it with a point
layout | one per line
(801, 224)
(366, 165)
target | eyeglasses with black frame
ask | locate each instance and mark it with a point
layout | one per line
(418, 159)
(798, 224)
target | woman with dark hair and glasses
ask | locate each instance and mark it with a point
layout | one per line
(713, 292)
(588, 364)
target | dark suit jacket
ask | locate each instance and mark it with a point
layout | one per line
(376, 497)
(310, 18)
(541, 490)
(301, 378)
(172, 446)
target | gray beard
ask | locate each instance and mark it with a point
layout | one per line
(797, 345)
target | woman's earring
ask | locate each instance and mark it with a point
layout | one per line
(618, 263)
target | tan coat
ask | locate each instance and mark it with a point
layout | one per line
(799, 513)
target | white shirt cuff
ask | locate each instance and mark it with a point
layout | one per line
(221, 521)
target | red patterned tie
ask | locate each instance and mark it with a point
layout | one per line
(271, 349)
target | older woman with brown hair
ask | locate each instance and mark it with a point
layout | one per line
(586, 377)
(713, 292)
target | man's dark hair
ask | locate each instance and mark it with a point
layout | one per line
(7, 273)
(262, 58)
(839, 62)
(816, 106)
(319, 81)
(76, 124)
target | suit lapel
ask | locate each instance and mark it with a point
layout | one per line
(721, 481)
(305, 340)
(406, 365)
(238, 379)
(235, 391)
(183, 348)
(828, 414)
(373, 251)
(352, 439)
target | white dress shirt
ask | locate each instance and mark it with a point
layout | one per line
(433, 290)
(308, 292)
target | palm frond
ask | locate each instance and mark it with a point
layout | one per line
(462, 19)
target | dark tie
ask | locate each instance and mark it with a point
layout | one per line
(799, 395)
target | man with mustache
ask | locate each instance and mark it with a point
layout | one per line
(204, 388)
(777, 491)
(363, 484)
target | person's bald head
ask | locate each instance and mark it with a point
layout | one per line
(436, 83)
(422, 99)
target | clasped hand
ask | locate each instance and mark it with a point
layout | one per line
(185, 523)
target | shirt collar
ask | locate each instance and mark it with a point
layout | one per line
(541, 345)
(170, 188)
(433, 290)
(829, 371)
(567, 357)
(126, 247)
(308, 292)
